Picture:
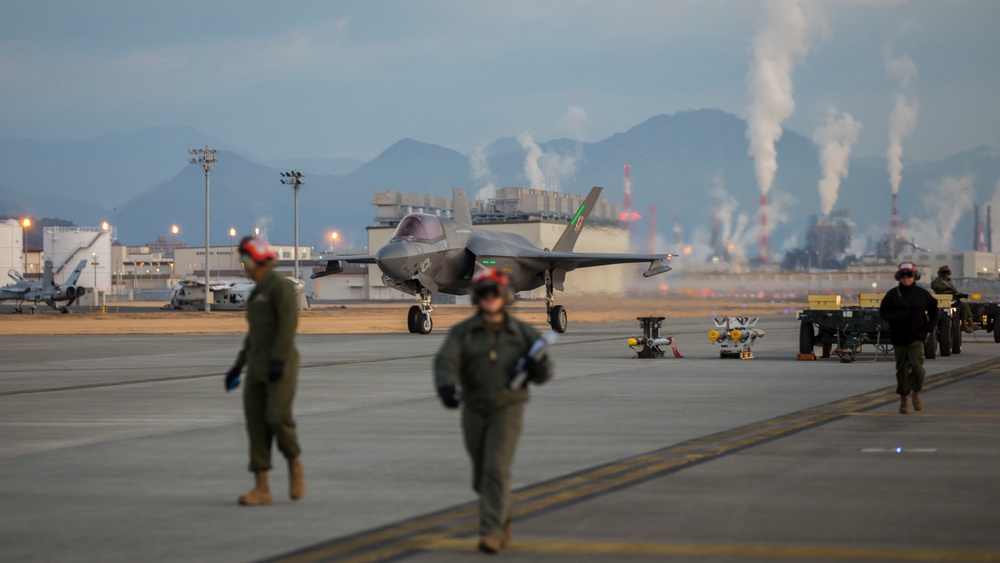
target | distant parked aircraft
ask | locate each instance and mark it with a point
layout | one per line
(45, 291)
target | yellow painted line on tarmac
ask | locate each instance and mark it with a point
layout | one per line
(932, 414)
(433, 529)
(689, 549)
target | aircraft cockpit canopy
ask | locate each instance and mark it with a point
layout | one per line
(420, 227)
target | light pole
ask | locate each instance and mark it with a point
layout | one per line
(232, 252)
(25, 223)
(94, 264)
(206, 158)
(293, 178)
(174, 229)
(333, 237)
(105, 227)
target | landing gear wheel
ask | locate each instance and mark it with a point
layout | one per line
(64, 310)
(424, 323)
(944, 336)
(956, 337)
(411, 318)
(558, 319)
(806, 338)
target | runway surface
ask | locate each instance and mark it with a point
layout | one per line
(125, 448)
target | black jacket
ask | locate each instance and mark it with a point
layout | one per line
(912, 313)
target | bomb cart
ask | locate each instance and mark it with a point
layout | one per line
(842, 330)
(986, 315)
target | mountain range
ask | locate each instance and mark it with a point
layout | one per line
(691, 165)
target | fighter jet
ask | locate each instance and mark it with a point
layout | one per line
(429, 254)
(45, 291)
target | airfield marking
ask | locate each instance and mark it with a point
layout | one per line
(744, 550)
(934, 414)
(217, 374)
(419, 533)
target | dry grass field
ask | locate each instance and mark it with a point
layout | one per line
(136, 318)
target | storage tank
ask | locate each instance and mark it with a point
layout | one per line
(11, 246)
(66, 246)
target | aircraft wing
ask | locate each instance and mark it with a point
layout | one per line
(572, 260)
(337, 266)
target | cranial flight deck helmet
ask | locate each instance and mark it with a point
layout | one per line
(256, 249)
(907, 267)
(944, 270)
(491, 280)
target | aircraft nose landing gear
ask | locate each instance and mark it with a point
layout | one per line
(418, 320)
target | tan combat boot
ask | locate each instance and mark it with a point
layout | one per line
(508, 532)
(902, 405)
(968, 327)
(296, 479)
(261, 494)
(489, 544)
(918, 405)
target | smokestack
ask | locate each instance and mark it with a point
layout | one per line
(894, 225)
(652, 229)
(976, 238)
(764, 243)
(989, 231)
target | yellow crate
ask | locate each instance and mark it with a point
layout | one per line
(944, 300)
(870, 299)
(824, 302)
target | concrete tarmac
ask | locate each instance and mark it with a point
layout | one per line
(125, 448)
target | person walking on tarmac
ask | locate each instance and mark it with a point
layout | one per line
(942, 285)
(476, 367)
(272, 363)
(912, 313)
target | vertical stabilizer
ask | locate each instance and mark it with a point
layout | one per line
(460, 204)
(47, 281)
(568, 239)
(71, 280)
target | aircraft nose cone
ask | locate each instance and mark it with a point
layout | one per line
(392, 258)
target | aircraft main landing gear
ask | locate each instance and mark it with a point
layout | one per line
(418, 319)
(554, 314)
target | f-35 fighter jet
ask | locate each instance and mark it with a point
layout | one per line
(429, 254)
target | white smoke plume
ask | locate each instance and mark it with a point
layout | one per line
(945, 202)
(834, 139)
(734, 232)
(903, 118)
(782, 42)
(573, 121)
(546, 170)
(264, 224)
(479, 163)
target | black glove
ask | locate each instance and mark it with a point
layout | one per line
(449, 397)
(961, 295)
(531, 365)
(233, 377)
(275, 369)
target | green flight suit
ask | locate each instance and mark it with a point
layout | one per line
(273, 315)
(480, 360)
(942, 285)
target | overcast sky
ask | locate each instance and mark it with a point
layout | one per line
(323, 78)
